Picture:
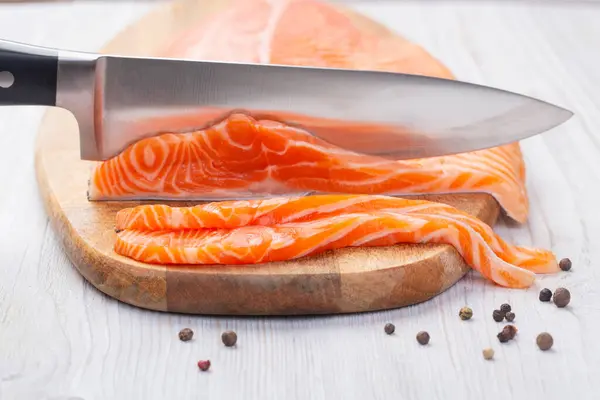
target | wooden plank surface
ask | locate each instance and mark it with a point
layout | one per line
(62, 339)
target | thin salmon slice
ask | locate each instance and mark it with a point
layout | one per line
(282, 229)
(245, 157)
(286, 210)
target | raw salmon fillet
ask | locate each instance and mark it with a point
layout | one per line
(286, 228)
(248, 157)
(244, 157)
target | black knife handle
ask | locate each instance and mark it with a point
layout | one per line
(33, 72)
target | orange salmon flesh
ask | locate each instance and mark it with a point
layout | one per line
(285, 228)
(242, 157)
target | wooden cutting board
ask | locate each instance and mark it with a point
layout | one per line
(343, 281)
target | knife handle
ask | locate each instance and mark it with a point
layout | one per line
(28, 74)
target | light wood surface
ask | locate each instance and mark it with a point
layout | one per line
(341, 281)
(60, 338)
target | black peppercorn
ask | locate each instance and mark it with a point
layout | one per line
(498, 315)
(545, 295)
(503, 337)
(389, 328)
(561, 297)
(505, 308)
(229, 338)
(544, 341)
(423, 338)
(510, 316)
(565, 264)
(186, 334)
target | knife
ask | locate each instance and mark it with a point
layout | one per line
(119, 100)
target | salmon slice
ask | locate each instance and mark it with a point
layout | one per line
(286, 210)
(282, 229)
(246, 157)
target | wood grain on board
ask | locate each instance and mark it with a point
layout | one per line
(342, 281)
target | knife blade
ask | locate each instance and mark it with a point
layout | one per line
(119, 100)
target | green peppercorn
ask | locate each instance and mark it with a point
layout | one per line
(465, 313)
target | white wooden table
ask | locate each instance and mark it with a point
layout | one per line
(62, 339)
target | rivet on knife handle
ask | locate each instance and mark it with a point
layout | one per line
(28, 75)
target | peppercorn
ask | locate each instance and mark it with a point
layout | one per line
(186, 334)
(510, 330)
(229, 338)
(544, 341)
(204, 365)
(488, 354)
(510, 316)
(465, 313)
(498, 315)
(423, 337)
(389, 328)
(508, 333)
(545, 294)
(561, 297)
(505, 308)
(503, 337)
(565, 264)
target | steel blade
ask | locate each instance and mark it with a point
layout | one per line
(389, 114)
